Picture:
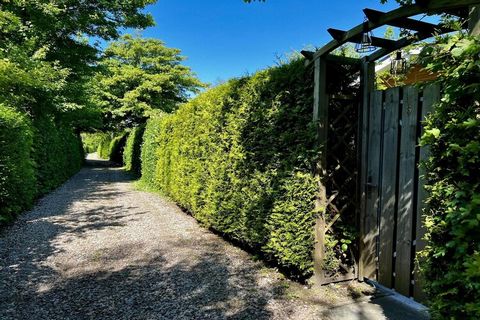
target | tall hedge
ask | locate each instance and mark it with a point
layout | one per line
(132, 151)
(17, 176)
(451, 260)
(239, 157)
(149, 157)
(103, 149)
(117, 146)
(58, 152)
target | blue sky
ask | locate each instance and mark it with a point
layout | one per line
(228, 38)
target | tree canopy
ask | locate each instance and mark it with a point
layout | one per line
(140, 75)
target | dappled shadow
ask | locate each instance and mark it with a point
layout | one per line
(202, 287)
(70, 212)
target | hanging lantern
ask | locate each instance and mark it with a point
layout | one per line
(398, 66)
(365, 44)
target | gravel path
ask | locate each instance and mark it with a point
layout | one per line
(98, 249)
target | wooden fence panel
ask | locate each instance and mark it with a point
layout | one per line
(406, 185)
(373, 182)
(388, 186)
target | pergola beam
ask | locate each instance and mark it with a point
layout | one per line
(407, 23)
(425, 6)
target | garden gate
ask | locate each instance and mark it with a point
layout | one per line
(391, 211)
(389, 189)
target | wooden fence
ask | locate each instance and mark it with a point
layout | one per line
(392, 192)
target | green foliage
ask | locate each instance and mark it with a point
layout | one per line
(452, 256)
(133, 149)
(58, 153)
(149, 155)
(117, 145)
(103, 149)
(142, 75)
(239, 157)
(17, 177)
(91, 141)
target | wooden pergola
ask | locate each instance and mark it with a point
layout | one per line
(401, 18)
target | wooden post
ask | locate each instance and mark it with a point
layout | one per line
(367, 81)
(320, 117)
(474, 20)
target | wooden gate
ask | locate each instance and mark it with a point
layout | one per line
(392, 190)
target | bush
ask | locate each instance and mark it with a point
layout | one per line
(239, 157)
(117, 146)
(17, 177)
(452, 255)
(58, 153)
(132, 151)
(91, 141)
(149, 157)
(103, 149)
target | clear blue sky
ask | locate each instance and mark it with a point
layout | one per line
(229, 38)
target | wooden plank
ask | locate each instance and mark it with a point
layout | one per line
(388, 186)
(369, 239)
(431, 95)
(320, 117)
(406, 185)
(474, 20)
(367, 225)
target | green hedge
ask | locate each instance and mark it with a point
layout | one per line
(239, 157)
(35, 157)
(117, 145)
(149, 156)
(103, 149)
(91, 141)
(132, 151)
(17, 176)
(58, 153)
(451, 259)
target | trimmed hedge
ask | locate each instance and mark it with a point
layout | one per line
(117, 145)
(149, 156)
(103, 149)
(58, 153)
(91, 141)
(35, 157)
(133, 149)
(17, 176)
(239, 158)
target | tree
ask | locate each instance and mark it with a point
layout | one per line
(141, 75)
(46, 57)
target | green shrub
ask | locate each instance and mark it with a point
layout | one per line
(149, 157)
(239, 157)
(117, 146)
(58, 153)
(17, 177)
(451, 259)
(91, 141)
(132, 151)
(103, 149)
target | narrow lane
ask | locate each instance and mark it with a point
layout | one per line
(98, 249)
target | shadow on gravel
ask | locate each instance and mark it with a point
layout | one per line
(200, 288)
(27, 243)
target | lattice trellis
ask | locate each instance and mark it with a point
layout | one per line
(341, 182)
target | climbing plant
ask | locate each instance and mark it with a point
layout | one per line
(451, 260)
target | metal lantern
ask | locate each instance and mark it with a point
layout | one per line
(398, 65)
(365, 44)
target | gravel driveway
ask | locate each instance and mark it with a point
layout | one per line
(98, 249)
